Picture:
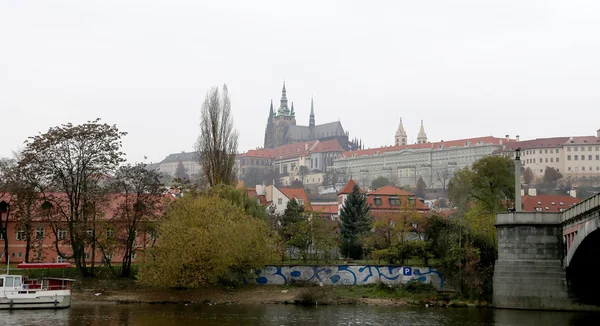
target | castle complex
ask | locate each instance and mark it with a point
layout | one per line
(282, 129)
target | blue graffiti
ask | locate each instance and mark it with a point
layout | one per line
(348, 275)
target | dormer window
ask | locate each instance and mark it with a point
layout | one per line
(539, 209)
(394, 201)
(561, 203)
(539, 202)
(553, 203)
(547, 208)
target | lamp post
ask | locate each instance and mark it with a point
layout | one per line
(518, 180)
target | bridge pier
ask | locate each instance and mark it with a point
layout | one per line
(529, 272)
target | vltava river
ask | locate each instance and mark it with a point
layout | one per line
(171, 315)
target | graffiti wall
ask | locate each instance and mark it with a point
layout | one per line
(348, 275)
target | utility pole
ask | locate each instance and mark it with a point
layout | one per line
(518, 180)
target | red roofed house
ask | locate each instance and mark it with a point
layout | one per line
(277, 198)
(548, 203)
(253, 161)
(327, 211)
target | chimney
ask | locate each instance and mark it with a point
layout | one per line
(517, 137)
(598, 133)
(517, 179)
(522, 192)
(573, 193)
(305, 146)
(507, 137)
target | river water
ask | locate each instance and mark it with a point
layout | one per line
(171, 315)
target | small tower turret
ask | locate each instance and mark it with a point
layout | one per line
(422, 137)
(283, 105)
(401, 138)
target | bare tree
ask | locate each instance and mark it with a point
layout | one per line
(443, 174)
(140, 194)
(217, 144)
(73, 163)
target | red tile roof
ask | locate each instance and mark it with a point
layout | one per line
(536, 143)
(299, 193)
(328, 146)
(545, 203)
(390, 190)
(260, 153)
(327, 208)
(348, 188)
(435, 145)
(294, 150)
(583, 140)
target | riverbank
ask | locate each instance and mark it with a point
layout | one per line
(377, 295)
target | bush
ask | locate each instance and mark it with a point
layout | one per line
(311, 296)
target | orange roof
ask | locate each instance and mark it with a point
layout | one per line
(328, 146)
(299, 193)
(348, 188)
(294, 150)
(325, 208)
(390, 190)
(435, 145)
(583, 140)
(545, 203)
(261, 153)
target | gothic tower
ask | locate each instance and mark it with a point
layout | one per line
(422, 137)
(311, 121)
(401, 138)
(269, 131)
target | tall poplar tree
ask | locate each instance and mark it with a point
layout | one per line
(355, 223)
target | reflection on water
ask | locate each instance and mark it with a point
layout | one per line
(171, 315)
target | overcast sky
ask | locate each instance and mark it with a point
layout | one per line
(467, 68)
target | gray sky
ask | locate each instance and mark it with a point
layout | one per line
(467, 68)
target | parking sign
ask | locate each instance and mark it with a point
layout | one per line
(407, 271)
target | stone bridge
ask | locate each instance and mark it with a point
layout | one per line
(549, 260)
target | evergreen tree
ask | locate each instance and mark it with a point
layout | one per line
(181, 172)
(291, 216)
(356, 222)
(420, 189)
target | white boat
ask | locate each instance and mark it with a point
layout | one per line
(17, 292)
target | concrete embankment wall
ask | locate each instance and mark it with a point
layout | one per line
(348, 275)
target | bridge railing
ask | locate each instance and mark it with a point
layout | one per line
(581, 208)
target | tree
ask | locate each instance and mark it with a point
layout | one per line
(355, 223)
(297, 184)
(460, 189)
(217, 144)
(380, 182)
(494, 183)
(253, 176)
(73, 163)
(140, 195)
(420, 189)
(181, 172)
(442, 173)
(527, 175)
(204, 240)
(551, 175)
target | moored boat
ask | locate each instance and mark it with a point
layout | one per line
(19, 292)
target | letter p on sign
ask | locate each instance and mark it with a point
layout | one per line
(406, 271)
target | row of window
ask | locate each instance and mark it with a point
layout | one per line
(589, 148)
(541, 151)
(532, 160)
(393, 201)
(60, 259)
(61, 234)
(576, 157)
(583, 168)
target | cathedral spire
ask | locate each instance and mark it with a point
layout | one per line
(271, 112)
(400, 138)
(311, 122)
(293, 113)
(283, 106)
(422, 137)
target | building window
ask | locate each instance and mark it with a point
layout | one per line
(568, 157)
(540, 151)
(39, 233)
(109, 233)
(377, 201)
(60, 259)
(583, 168)
(569, 168)
(20, 254)
(20, 235)
(590, 148)
(583, 157)
(61, 234)
(1, 235)
(545, 151)
(557, 151)
(582, 148)
(546, 160)
(279, 201)
(576, 157)
(87, 255)
(394, 201)
(568, 149)
(551, 159)
(557, 160)
(576, 148)
(541, 170)
(90, 233)
(590, 157)
(597, 157)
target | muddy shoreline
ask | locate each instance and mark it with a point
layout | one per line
(251, 295)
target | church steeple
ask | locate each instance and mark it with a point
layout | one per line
(401, 138)
(293, 113)
(271, 112)
(422, 137)
(311, 122)
(283, 106)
